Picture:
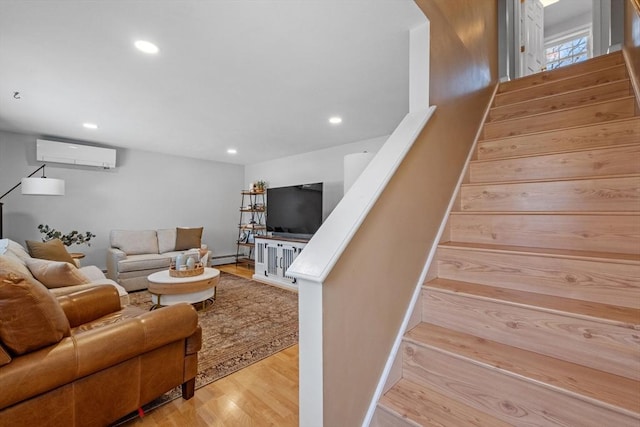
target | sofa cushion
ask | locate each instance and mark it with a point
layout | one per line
(188, 238)
(53, 250)
(166, 240)
(30, 316)
(55, 274)
(135, 242)
(5, 357)
(143, 262)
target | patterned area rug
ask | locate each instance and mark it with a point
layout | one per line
(247, 322)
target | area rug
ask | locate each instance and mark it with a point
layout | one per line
(248, 322)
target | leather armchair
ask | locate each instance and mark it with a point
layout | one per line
(114, 361)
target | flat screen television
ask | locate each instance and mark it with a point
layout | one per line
(294, 211)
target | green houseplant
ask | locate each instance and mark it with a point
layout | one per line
(74, 237)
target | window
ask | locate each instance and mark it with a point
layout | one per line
(569, 50)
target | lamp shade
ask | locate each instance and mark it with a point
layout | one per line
(43, 186)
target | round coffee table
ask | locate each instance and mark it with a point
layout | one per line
(169, 290)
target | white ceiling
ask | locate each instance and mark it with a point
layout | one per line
(260, 76)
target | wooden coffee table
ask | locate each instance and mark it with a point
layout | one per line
(168, 290)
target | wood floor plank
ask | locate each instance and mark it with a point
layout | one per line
(616, 160)
(605, 134)
(575, 98)
(620, 108)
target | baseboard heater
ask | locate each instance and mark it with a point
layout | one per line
(75, 154)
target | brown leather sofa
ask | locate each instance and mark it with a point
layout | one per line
(108, 362)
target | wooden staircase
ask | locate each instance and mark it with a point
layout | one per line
(533, 317)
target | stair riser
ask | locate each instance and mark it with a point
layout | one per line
(607, 347)
(571, 99)
(599, 162)
(607, 75)
(600, 195)
(382, 418)
(605, 134)
(596, 281)
(599, 233)
(534, 80)
(609, 110)
(514, 400)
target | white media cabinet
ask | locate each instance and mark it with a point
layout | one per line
(273, 256)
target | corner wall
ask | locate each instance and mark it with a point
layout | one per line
(366, 296)
(145, 191)
(325, 166)
(632, 42)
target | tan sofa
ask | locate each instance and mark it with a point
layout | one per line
(16, 259)
(135, 254)
(94, 361)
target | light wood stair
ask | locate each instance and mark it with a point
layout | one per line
(533, 317)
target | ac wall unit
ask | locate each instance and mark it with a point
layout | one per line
(75, 154)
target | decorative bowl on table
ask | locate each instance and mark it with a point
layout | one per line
(197, 270)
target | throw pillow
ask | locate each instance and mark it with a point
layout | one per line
(30, 316)
(12, 264)
(56, 274)
(53, 250)
(166, 240)
(188, 238)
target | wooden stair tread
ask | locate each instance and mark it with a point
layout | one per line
(593, 64)
(546, 133)
(425, 407)
(613, 390)
(574, 178)
(561, 101)
(602, 111)
(605, 313)
(574, 150)
(618, 258)
(556, 86)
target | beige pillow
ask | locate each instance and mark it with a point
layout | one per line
(30, 316)
(53, 250)
(166, 240)
(12, 264)
(56, 274)
(188, 238)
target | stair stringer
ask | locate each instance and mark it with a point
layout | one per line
(387, 380)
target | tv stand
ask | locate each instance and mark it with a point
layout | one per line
(273, 256)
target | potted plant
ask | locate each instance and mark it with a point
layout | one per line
(260, 186)
(74, 237)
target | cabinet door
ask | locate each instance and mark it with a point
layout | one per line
(287, 255)
(272, 259)
(261, 257)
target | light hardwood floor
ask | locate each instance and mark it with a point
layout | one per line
(262, 394)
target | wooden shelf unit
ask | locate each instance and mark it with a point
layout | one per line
(250, 225)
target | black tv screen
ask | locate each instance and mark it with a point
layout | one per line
(294, 211)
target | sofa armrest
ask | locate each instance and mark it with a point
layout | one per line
(89, 304)
(113, 257)
(93, 350)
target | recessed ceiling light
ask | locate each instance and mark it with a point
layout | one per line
(146, 47)
(335, 120)
(232, 151)
(546, 3)
(90, 125)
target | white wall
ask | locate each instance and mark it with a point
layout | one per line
(568, 26)
(317, 166)
(145, 191)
